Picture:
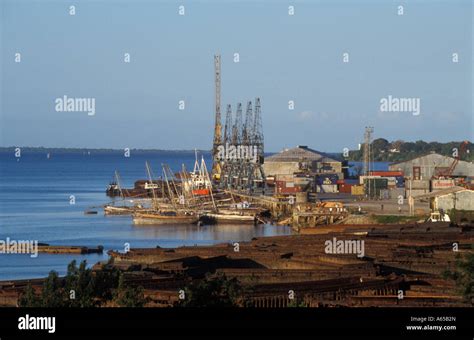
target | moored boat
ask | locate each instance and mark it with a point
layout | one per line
(164, 218)
(228, 218)
(113, 210)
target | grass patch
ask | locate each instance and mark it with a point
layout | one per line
(392, 219)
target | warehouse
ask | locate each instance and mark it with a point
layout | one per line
(301, 160)
(458, 199)
(425, 167)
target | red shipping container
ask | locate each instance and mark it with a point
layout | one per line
(387, 173)
(345, 188)
(286, 188)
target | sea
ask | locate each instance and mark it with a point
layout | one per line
(36, 196)
(37, 190)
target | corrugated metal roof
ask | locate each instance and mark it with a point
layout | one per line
(433, 154)
(430, 162)
(442, 192)
(298, 154)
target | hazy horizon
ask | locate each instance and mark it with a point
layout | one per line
(187, 150)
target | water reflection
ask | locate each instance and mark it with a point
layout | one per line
(211, 233)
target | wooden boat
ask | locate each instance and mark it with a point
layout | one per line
(164, 218)
(229, 218)
(246, 211)
(114, 210)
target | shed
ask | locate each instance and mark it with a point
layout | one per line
(301, 159)
(424, 167)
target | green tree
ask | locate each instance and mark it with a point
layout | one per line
(106, 280)
(217, 291)
(29, 298)
(435, 147)
(407, 147)
(380, 145)
(129, 296)
(81, 283)
(81, 287)
(52, 293)
(463, 275)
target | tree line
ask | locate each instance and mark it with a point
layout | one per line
(384, 151)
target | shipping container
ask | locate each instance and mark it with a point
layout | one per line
(345, 188)
(362, 179)
(400, 181)
(357, 190)
(376, 182)
(326, 179)
(387, 173)
(286, 188)
(351, 181)
(327, 188)
(374, 186)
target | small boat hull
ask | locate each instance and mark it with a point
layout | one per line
(229, 219)
(158, 219)
(111, 210)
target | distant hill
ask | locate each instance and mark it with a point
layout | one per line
(382, 150)
(385, 151)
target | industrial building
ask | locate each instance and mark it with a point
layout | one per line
(301, 160)
(427, 166)
(303, 169)
(462, 199)
(457, 198)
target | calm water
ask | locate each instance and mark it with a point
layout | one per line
(34, 205)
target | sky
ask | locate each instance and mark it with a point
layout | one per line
(282, 58)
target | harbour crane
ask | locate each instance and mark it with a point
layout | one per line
(450, 170)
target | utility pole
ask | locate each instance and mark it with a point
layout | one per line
(367, 139)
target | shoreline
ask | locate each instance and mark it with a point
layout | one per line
(395, 259)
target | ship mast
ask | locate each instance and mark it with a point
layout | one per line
(117, 179)
(151, 184)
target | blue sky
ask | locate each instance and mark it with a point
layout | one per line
(282, 58)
